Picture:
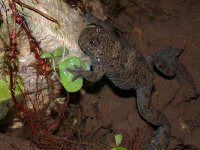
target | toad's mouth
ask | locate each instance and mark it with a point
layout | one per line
(90, 53)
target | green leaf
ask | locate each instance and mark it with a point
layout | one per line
(46, 55)
(66, 77)
(60, 51)
(119, 148)
(5, 91)
(5, 95)
(118, 139)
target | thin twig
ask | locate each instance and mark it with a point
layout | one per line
(37, 11)
(12, 54)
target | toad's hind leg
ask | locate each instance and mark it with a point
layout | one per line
(154, 117)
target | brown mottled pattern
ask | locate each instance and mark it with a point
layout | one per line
(123, 65)
(127, 69)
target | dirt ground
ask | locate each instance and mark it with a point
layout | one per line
(149, 25)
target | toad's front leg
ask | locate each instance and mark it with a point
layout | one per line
(92, 76)
(154, 117)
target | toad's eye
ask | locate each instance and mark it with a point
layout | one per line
(94, 42)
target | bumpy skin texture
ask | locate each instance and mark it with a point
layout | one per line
(127, 69)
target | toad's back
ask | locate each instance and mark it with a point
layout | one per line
(122, 64)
